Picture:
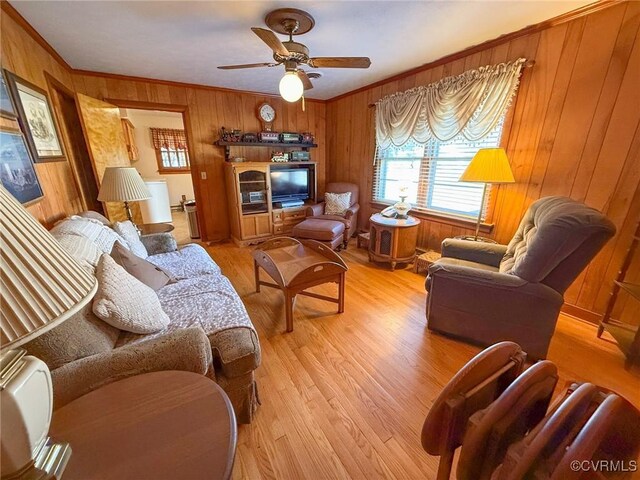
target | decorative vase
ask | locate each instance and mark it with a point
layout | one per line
(402, 207)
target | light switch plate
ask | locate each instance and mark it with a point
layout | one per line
(203, 175)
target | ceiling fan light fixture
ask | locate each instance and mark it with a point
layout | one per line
(291, 87)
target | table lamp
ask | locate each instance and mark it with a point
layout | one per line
(123, 184)
(489, 165)
(41, 286)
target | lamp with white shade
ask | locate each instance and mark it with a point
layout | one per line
(488, 166)
(41, 286)
(123, 184)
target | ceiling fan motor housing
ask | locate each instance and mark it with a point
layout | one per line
(298, 53)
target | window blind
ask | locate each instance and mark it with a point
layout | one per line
(429, 174)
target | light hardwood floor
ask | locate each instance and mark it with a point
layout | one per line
(344, 396)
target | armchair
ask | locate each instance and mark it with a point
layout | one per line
(486, 293)
(350, 219)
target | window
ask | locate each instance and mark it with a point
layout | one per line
(429, 175)
(172, 160)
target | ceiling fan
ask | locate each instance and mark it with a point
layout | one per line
(291, 21)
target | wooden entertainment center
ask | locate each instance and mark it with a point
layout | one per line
(253, 213)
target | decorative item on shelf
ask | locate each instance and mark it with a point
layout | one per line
(290, 137)
(402, 207)
(42, 286)
(269, 137)
(280, 157)
(230, 135)
(250, 138)
(36, 119)
(238, 159)
(299, 156)
(489, 165)
(307, 138)
(123, 184)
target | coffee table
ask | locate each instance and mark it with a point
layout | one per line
(296, 265)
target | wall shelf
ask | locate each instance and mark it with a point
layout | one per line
(227, 146)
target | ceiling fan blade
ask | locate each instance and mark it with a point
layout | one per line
(247, 65)
(274, 43)
(306, 81)
(340, 62)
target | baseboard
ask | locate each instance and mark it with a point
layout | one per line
(581, 313)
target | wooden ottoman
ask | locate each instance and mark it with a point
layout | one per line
(329, 232)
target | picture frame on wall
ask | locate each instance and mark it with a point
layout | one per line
(36, 119)
(17, 171)
(6, 105)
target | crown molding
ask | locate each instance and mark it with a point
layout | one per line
(537, 27)
(170, 83)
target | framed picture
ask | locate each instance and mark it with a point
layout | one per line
(6, 107)
(17, 172)
(36, 119)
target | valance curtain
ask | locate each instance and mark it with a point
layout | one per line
(470, 104)
(170, 138)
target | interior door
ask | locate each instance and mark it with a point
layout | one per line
(103, 133)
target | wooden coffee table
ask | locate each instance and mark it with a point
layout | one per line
(160, 426)
(296, 265)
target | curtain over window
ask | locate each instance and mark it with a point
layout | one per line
(470, 105)
(168, 138)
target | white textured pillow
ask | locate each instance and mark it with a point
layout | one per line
(102, 237)
(128, 231)
(125, 302)
(336, 203)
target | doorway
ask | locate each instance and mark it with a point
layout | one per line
(64, 102)
(158, 150)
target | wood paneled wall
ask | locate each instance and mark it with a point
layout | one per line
(573, 130)
(208, 110)
(22, 55)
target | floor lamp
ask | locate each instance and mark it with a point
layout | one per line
(488, 166)
(41, 286)
(123, 184)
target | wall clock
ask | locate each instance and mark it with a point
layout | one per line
(266, 114)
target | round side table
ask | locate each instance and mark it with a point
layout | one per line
(160, 425)
(154, 228)
(393, 240)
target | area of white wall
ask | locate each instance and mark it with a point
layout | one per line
(178, 183)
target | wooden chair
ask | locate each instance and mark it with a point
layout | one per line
(518, 410)
(612, 434)
(550, 436)
(475, 386)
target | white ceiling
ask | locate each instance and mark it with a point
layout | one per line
(185, 41)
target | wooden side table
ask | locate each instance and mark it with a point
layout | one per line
(393, 240)
(160, 425)
(154, 228)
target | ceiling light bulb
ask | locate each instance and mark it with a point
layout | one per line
(291, 87)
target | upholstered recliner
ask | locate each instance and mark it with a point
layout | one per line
(350, 219)
(486, 293)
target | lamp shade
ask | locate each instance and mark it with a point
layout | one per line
(41, 285)
(122, 184)
(489, 165)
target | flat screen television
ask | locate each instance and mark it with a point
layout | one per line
(290, 183)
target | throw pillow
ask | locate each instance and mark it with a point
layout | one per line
(128, 231)
(125, 302)
(336, 203)
(145, 271)
(101, 236)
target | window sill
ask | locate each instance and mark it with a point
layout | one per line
(455, 221)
